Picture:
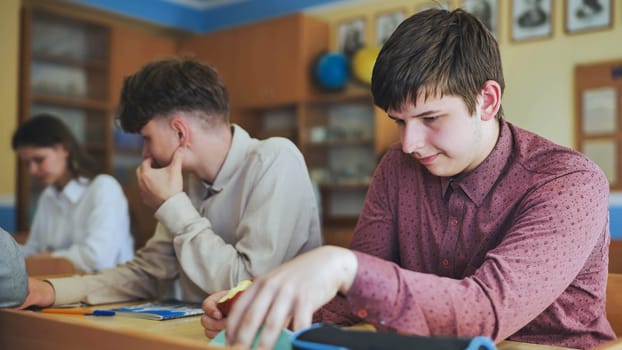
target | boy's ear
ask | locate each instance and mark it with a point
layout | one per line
(181, 127)
(490, 99)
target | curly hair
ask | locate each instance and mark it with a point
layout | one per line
(163, 87)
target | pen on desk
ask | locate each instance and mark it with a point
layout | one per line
(102, 313)
(78, 311)
(69, 311)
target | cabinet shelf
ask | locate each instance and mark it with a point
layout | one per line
(71, 62)
(66, 101)
(355, 93)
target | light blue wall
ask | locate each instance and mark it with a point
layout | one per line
(615, 222)
(7, 213)
(199, 20)
(615, 215)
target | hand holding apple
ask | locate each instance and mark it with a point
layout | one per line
(290, 294)
(213, 320)
(226, 302)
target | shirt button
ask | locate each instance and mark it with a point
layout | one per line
(454, 221)
(362, 313)
(445, 262)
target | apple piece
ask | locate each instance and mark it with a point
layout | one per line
(226, 302)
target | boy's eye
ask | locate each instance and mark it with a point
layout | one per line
(398, 122)
(430, 119)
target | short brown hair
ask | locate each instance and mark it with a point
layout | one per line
(436, 52)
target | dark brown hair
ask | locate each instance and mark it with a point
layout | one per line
(172, 85)
(46, 130)
(436, 53)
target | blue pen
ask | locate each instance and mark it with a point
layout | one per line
(101, 313)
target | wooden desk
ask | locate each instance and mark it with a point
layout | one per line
(27, 330)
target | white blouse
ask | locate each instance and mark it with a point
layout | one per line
(87, 222)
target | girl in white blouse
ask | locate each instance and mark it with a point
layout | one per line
(80, 215)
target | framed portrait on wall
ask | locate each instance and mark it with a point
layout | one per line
(586, 15)
(351, 36)
(386, 23)
(532, 19)
(486, 10)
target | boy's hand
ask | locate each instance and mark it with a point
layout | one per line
(158, 185)
(289, 295)
(40, 293)
(213, 320)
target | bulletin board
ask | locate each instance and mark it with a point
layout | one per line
(598, 116)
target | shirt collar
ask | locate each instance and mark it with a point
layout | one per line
(477, 184)
(235, 158)
(74, 189)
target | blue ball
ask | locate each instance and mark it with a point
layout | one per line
(331, 71)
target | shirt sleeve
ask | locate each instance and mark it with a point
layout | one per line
(147, 276)
(106, 230)
(548, 241)
(275, 217)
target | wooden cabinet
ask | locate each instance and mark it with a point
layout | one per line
(342, 136)
(267, 63)
(280, 53)
(65, 72)
(337, 138)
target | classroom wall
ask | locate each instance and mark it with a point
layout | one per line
(538, 73)
(9, 70)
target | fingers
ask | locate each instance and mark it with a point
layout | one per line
(295, 289)
(177, 160)
(144, 165)
(303, 316)
(209, 305)
(243, 321)
(268, 306)
(212, 326)
(140, 172)
(275, 321)
(158, 185)
(212, 321)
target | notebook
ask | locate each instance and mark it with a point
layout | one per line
(161, 310)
